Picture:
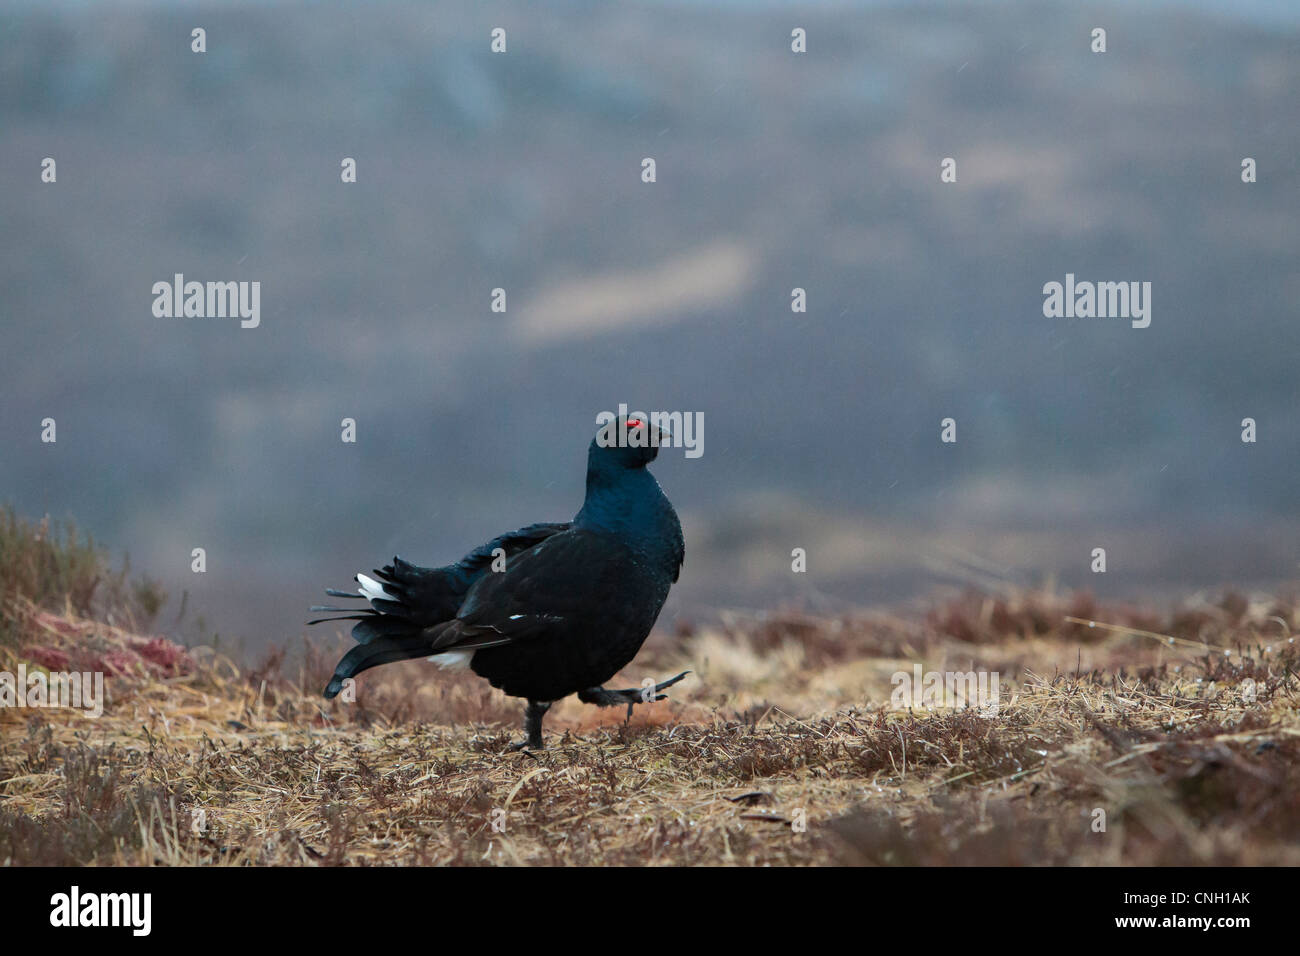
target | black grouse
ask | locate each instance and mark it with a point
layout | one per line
(546, 611)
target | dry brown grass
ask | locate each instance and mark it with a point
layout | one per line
(1149, 720)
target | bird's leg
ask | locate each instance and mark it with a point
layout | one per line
(630, 696)
(533, 715)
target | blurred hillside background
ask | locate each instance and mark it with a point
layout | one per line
(775, 170)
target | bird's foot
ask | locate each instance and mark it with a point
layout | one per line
(630, 696)
(533, 715)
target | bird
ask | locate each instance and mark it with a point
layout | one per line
(549, 610)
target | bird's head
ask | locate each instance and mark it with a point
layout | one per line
(630, 441)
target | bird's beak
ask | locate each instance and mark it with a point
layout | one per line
(658, 436)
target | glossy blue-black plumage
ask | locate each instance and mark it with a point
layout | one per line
(572, 605)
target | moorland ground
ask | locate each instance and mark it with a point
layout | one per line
(1153, 736)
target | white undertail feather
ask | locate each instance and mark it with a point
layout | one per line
(456, 660)
(372, 590)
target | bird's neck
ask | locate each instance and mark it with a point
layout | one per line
(629, 502)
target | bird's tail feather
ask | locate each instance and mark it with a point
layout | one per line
(402, 642)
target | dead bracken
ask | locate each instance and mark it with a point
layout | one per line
(1178, 731)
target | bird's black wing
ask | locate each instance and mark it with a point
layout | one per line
(407, 600)
(571, 580)
(411, 597)
(433, 595)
